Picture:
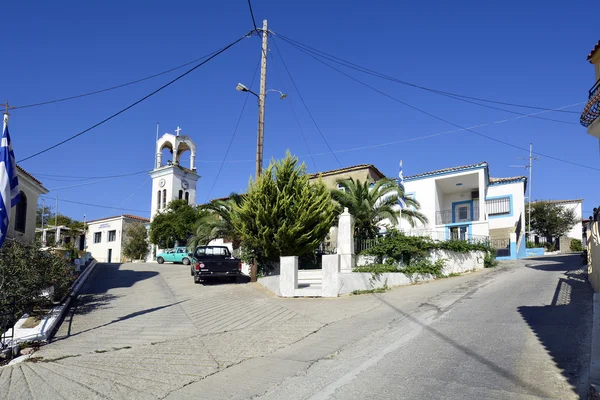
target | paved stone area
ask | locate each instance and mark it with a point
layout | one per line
(147, 331)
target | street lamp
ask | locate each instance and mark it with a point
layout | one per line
(261, 120)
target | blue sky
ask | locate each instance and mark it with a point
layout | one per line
(530, 53)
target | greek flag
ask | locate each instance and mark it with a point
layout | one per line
(9, 184)
(402, 199)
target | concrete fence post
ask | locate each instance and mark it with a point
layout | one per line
(288, 276)
(331, 275)
(345, 242)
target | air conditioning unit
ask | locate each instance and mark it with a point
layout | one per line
(475, 194)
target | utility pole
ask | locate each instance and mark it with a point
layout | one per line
(529, 166)
(261, 101)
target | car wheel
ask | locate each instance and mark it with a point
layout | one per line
(160, 260)
(186, 261)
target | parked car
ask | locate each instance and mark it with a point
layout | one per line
(209, 262)
(176, 255)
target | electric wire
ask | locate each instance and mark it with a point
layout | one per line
(90, 183)
(138, 101)
(92, 205)
(390, 78)
(114, 87)
(447, 121)
(233, 135)
(304, 103)
(441, 93)
(252, 15)
(289, 101)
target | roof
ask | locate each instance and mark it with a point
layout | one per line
(559, 201)
(129, 216)
(445, 170)
(507, 180)
(348, 169)
(29, 175)
(594, 50)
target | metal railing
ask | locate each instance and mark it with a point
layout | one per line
(502, 247)
(443, 217)
(594, 90)
(498, 206)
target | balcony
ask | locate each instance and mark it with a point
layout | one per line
(592, 109)
(460, 214)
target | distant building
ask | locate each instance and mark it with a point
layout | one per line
(104, 237)
(575, 233)
(23, 215)
(362, 172)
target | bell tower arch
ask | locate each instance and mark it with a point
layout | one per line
(171, 180)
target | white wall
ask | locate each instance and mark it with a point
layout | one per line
(576, 231)
(100, 250)
(517, 190)
(32, 191)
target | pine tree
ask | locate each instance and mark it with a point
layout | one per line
(283, 214)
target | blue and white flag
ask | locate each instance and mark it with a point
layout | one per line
(9, 183)
(402, 199)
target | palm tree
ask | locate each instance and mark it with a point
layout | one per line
(215, 221)
(371, 204)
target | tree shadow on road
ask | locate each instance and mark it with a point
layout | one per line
(564, 327)
(111, 276)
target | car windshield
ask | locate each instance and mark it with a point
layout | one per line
(212, 252)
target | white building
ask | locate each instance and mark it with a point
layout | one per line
(577, 231)
(23, 215)
(104, 237)
(466, 203)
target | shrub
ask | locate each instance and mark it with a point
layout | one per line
(549, 246)
(422, 267)
(530, 245)
(489, 260)
(576, 245)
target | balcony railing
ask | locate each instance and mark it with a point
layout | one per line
(444, 217)
(592, 109)
(594, 90)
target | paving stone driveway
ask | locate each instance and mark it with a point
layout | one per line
(144, 330)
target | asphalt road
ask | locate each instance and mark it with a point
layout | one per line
(522, 334)
(147, 331)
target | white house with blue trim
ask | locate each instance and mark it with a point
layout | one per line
(466, 203)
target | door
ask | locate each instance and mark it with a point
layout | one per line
(458, 233)
(181, 253)
(109, 255)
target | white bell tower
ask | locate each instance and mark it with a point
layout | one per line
(171, 180)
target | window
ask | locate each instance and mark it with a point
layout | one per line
(463, 213)
(21, 213)
(500, 206)
(112, 236)
(340, 187)
(164, 198)
(181, 250)
(158, 197)
(212, 252)
(180, 194)
(187, 196)
(97, 237)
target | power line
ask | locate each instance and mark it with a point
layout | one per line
(115, 87)
(132, 193)
(252, 15)
(139, 101)
(289, 101)
(445, 120)
(93, 205)
(386, 77)
(233, 136)
(46, 176)
(92, 183)
(390, 78)
(304, 103)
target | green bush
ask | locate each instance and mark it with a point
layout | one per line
(530, 245)
(377, 268)
(489, 260)
(25, 271)
(420, 267)
(549, 246)
(576, 245)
